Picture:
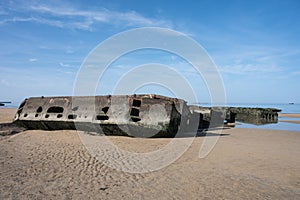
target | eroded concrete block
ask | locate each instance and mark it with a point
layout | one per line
(147, 115)
(130, 115)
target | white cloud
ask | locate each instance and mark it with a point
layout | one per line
(73, 18)
(64, 65)
(69, 51)
(253, 60)
(65, 72)
(56, 23)
(103, 15)
(249, 69)
(32, 60)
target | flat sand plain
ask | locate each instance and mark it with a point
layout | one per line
(245, 164)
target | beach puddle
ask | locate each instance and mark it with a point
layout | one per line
(287, 126)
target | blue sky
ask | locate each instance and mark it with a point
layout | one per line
(254, 44)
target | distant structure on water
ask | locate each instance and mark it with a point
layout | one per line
(2, 103)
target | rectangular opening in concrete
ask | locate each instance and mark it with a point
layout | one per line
(135, 119)
(102, 117)
(105, 109)
(136, 103)
(55, 109)
(135, 112)
(72, 116)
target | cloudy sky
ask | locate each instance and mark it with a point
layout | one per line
(254, 44)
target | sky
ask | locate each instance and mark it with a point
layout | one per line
(255, 46)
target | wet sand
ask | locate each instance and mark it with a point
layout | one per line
(292, 115)
(245, 164)
(291, 121)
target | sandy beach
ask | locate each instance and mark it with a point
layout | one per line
(245, 164)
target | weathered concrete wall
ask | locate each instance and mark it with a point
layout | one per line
(257, 116)
(135, 115)
(214, 117)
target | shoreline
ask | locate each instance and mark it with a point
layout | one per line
(290, 115)
(291, 121)
(295, 116)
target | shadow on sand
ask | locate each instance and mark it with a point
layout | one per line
(10, 129)
(7, 129)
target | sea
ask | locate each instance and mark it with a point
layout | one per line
(284, 107)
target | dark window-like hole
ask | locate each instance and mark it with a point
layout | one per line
(102, 117)
(36, 115)
(46, 116)
(135, 119)
(75, 108)
(25, 115)
(72, 116)
(20, 109)
(59, 116)
(22, 104)
(55, 109)
(105, 109)
(40, 109)
(134, 112)
(136, 103)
